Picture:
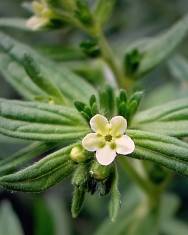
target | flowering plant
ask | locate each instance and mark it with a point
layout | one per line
(90, 130)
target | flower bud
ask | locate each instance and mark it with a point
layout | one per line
(78, 154)
(100, 172)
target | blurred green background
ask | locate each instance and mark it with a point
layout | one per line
(49, 213)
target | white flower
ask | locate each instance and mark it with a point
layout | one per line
(109, 138)
(42, 15)
(36, 22)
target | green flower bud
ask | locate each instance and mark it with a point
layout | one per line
(78, 154)
(80, 175)
(100, 172)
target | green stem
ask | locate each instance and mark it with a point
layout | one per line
(109, 58)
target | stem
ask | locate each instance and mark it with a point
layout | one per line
(109, 58)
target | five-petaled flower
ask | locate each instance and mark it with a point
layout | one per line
(109, 138)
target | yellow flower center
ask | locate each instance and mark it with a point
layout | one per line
(108, 138)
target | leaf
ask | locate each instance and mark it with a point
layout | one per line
(77, 200)
(72, 86)
(167, 151)
(17, 23)
(42, 81)
(169, 119)
(104, 10)
(157, 49)
(62, 53)
(178, 67)
(115, 201)
(17, 77)
(38, 121)
(9, 223)
(8, 165)
(42, 174)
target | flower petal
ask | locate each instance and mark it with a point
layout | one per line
(36, 22)
(125, 145)
(105, 155)
(118, 125)
(99, 124)
(91, 142)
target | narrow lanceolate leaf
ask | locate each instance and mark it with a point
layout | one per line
(114, 205)
(169, 119)
(104, 10)
(17, 77)
(41, 80)
(77, 200)
(64, 79)
(178, 67)
(167, 151)
(159, 48)
(18, 23)
(41, 175)
(12, 163)
(37, 121)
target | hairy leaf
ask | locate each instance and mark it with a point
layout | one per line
(37, 121)
(42, 174)
(115, 197)
(41, 80)
(17, 77)
(12, 163)
(104, 10)
(169, 119)
(167, 151)
(72, 86)
(155, 50)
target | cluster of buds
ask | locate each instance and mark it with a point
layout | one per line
(89, 177)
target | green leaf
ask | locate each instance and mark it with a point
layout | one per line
(115, 201)
(167, 151)
(169, 119)
(157, 49)
(38, 121)
(178, 67)
(9, 223)
(104, 10)
(62, 53)
(17, 23)
(42, 174)
(41, 80)
(72, 86)
(77, 200)
(8, 165)
(17, 77)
